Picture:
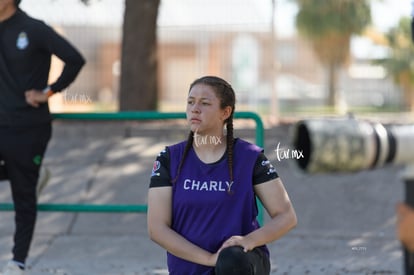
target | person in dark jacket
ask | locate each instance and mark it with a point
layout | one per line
(26, 48)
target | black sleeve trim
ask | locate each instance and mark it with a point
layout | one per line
(160, 175)
(263, 170)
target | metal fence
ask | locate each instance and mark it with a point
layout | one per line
(124, 116)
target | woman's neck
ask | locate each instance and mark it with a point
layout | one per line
(208, 140)
(209, 148)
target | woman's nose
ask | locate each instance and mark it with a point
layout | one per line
(195, 108)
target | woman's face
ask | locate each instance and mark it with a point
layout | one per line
(203, 111)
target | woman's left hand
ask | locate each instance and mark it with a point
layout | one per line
(239, 241)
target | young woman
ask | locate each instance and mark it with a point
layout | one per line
(201, 200)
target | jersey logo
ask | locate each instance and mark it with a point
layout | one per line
(155, 168)
(22, 41)
(271, 169)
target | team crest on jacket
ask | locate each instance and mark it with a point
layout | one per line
(22, 41)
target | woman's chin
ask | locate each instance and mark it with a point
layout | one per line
(195, 128)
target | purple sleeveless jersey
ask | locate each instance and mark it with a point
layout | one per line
(207, 207)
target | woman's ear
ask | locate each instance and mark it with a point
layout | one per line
(226, 112)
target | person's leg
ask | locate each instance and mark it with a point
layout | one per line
(23, 158)
(233, 260)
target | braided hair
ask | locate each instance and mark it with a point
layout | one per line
(226, 95)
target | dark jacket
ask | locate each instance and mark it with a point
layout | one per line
(26, 48)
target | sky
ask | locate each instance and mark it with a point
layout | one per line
(385, 13)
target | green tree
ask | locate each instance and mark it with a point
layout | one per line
(400, 63)
(329, 26)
